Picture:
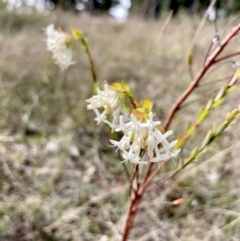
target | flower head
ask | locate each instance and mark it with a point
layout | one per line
(59, 44)
(104, 103)
(144, 135)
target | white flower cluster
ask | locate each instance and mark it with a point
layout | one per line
(146, 136)
(139, 137)
(57, 44)
(108, 100)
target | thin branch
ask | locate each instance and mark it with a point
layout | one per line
(227, 57)
(201, 25)
(215, 81)
(230, 23)
(147, 178)
(148, 181)
(208, 52)
(203, 96)
(130, 216)
(91, 65)
(210, 61)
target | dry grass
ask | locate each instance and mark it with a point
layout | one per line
(60, 180)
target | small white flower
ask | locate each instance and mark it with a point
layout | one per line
(110, 102)
(57, 44)
(144, 136)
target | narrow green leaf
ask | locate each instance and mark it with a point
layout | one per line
(220, 94)
(230, 89)
(194, 153)
(217, 103)
(190, 59)
(147, 105)
(235, 78)
(232, 115)
(191, 130)
(77, 34)
(126, 87)
(222, 128)
(209, 104)
(207, 139)
(202, 114)
(179, 143)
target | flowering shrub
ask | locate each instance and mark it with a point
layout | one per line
(144, 139)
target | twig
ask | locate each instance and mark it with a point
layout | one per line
(201, 25)
(215, 81)
(227, 57)
(203, 97)
(210, 61)
(147, 178)
(91, 65)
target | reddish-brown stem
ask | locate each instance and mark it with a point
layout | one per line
(209, 62)
(131, 214)
(148, 177)
(143, 187)
(91, 64)
(136, 200)
(132, 101)
(227, 57)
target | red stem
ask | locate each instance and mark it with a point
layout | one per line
(92, 68)
(227, 57)
(209, 62)
(131, 214)
(141, 189)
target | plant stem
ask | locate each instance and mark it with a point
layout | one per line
(131, 215)
(138, 194)
(91, 64)
(136, 200)
(227, 56)
(209, 62)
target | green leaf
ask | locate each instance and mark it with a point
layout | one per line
(116, 87)
(121, 87)
(235, 78)
(190, 130)
(202, 114)
(180, 143)
(232, 115)
(229, 90)
(237, 116)
(126, 87)
(217, 103)
(194, 153)
(207, 139)
(220, 94)
(222, 127)
(95, 87)
(77, 34)
(147, 105)
(190, 59)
